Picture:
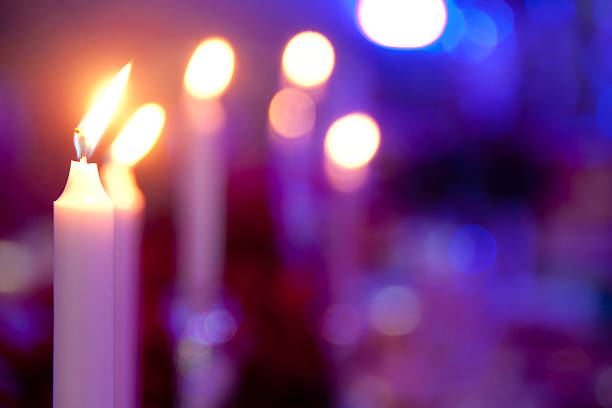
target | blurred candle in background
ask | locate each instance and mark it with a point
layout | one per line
(200, 211)
(307, 63)
(308, 59)
(204, 375)
(350, 144)
(83, 270)
(135, 140)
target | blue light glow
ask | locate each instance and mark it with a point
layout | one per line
(472, 249)
(480, 28)
(220, 326)
(503, 16)
(455, 27)
(479, 39)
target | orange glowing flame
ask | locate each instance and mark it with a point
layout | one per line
(90, 130)
(308, 59)
(210, 69)
(140, 134)
(352, 141)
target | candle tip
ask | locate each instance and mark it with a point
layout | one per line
(80, 144)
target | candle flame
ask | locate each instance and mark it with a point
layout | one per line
(352, 141)
(210, 68)
(92, 126)
(139, 135)
(308, 59)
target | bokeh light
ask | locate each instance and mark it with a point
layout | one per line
(341, 325)
(402, 24)
(502, 15)
(480, 28)
(455, 27)
(395, 311)
(220, 326)
(472, 249)
(292, 113)
(139, 135)
(17, 267)
(211, 328)
(352, 141)
(369, 391)
(308, 59)
(192, 355)
(98, 117)
(210, 69)
(480, 36)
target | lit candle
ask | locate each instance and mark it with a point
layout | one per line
(135, 140)
(308, 59)
(83, 270)
(350, 145)
(307, 64)
(201, 215)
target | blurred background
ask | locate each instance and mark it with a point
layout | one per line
(460, 260)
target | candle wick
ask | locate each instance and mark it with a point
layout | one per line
(80, 144)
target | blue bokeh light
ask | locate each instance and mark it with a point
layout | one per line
(480, 28)
(455, 27)
(220, 326)
(480, 37)
(503, 16)
(472, 249)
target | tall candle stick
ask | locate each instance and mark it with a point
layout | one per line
(135, 140)
(201, 209)
(307, 64)
(201, 215)
(83, 271)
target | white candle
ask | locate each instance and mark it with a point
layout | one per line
(83, 271)
(83, 292)
(201, 206)
(307, 64)
(201, 214)
(134, 142)
(121, 185)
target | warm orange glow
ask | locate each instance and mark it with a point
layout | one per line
(120, 184)
(352, 141)
(207, 116)
(343, 179)
(140, 134)
(308, 59)
(210, 69)
(292, 113)
(99, 115)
